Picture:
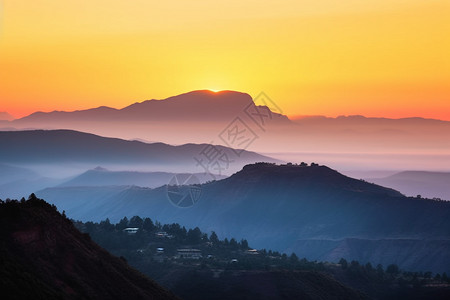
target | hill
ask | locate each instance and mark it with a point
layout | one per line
(275, 206)
(412, 183)
(67, 149)
(103, 177)
(43, 256)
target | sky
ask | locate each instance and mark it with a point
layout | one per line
(378, 58)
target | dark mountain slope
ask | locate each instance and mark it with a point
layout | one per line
(43, 256)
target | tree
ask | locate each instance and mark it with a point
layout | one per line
(122, 224)
(194, 236)
(293, 258)
(392, 269)
(213, 238)
(344, 264)
(244, 244)
(380, 270)
(369, 267)
(106, 225)
(136, 222)
(148, 224)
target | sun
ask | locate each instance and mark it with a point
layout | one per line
(215, 90)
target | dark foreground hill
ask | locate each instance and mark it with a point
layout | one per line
(281, 207)
(43, 256)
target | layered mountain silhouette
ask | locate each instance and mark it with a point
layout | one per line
(207, 117)
(103, 177)
(43, 256)
(279, 206)
(15, 182)
(423, 183)
(202, 105)
(56, 147)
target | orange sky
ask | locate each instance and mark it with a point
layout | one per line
(385, 58)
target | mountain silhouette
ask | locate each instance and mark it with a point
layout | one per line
(103, 177)
(413, 183)
(195, 106)
(67, 147)
(43, 256)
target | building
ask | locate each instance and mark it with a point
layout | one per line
(252, 252)
(189, 253)
(131, 230)
(163, 234)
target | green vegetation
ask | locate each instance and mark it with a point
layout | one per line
(220, 257)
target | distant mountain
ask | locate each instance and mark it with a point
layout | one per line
(43, 256)
(4, 116)
(103, 177)
(277, 206)
(195, 106)
(347, 143)
(16, 182)
(66, 149)
(10, 173)
(193, 117)
(413, 183)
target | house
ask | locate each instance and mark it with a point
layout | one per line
(163, 234)
(252, 252)
(159, 250)
(189, 253)
(131, 230)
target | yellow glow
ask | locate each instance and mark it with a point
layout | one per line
(374, 57)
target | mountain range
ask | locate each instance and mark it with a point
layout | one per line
(282, 206)
(346, 143)
(102, 177)
(423, 183)
(58, 147)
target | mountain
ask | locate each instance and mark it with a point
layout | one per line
(195, 106)
(347, 143)
(193, 117)
(4, 116)
(43, 256)
(103, 177)
(67, 148)
(15, 182)
(412, 183)
(277, 206)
